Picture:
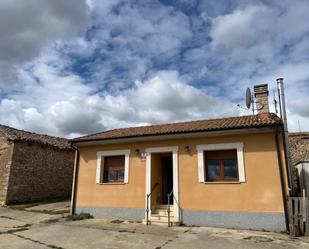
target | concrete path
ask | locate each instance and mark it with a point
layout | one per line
(27, 229)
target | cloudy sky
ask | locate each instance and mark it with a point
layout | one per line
(73, 67)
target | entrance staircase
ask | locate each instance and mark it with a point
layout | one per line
(159, 216)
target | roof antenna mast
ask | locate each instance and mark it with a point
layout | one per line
(275, 102)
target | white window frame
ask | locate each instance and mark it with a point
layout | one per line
(100, 163)
(201, 148)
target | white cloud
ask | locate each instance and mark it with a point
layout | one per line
(27, 27)
(164, 97)
(142, 63)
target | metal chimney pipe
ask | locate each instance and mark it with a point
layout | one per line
(285, 125)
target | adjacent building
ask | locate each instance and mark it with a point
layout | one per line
(227, 172)
(34, 167)
(299, 151)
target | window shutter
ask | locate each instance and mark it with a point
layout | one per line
(126, 168)
(100, 170)
(200, 158)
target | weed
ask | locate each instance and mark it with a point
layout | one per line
(81, 216)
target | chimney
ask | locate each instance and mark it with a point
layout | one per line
(261, 95)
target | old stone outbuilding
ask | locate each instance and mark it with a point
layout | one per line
(299, 151)
(299, 147)
(34, 167)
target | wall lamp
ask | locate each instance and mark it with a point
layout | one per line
(187, 149)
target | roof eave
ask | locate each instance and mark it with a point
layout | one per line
(167, 136)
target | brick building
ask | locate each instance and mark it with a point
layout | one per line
(33, 167)
(299, 147)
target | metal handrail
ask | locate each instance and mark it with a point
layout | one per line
(147, 203)
(168, 208)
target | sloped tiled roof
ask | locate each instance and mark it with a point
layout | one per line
(299, 146)
(13, 134)
(251, 121)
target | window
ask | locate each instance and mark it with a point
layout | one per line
(221, 165)
(113, 169)
(221, 162)
(113, 166)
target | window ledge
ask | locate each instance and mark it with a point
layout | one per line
(236, 182)
(112, 183)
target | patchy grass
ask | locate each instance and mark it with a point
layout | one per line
(55, 247)
(6, 217)
(23, 206)
(17, 229)
(258, 239)
(117, 221)
(81, 216)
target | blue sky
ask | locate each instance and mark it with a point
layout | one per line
(74, 67)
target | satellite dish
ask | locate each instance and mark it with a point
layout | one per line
(248, 98)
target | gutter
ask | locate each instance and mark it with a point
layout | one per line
(283, 183)
(75, 175)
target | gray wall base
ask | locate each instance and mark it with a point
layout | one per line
(269, 221)
(113, 213)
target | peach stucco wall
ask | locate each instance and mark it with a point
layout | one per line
(260, 193)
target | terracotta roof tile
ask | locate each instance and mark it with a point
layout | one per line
(20, 135)
(185, 127)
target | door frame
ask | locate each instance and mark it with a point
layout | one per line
(174, 150)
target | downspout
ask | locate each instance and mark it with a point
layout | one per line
(75, 175)
(283, 183)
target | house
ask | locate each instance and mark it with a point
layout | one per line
(227, 172)
(299, 147)
(299, 151)
(34, 167)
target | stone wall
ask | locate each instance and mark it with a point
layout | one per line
(5, 160)
(299, 147)
(39, 173)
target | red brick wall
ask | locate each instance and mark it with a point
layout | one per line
(39, 173)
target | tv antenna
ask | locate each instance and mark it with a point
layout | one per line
(275, 102)
(250, 102)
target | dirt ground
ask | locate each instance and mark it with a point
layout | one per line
(44, 226)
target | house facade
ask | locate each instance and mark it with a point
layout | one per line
(34, 167)
(227, 172)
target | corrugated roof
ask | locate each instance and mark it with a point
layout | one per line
(251, 121)
(20, 135)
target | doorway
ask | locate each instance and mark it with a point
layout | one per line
(154, 180)
(167, 178)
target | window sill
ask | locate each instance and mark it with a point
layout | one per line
(112, 183)
(236, 182)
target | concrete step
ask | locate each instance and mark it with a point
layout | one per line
(161, 222)
(163, 206)
(162, 216)
(162, 212)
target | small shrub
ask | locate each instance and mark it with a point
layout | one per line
(81, 216)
